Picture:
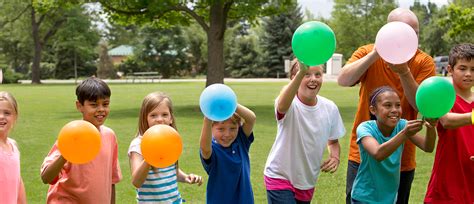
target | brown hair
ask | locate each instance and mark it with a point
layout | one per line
(150, 102)
(235, 119)
(461, 51)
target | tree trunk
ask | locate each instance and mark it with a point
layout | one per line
(215, 45)
(35, 68)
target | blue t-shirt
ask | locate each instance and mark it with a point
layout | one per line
(229, 171)
(377, 182)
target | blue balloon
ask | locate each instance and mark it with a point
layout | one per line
(218, 102)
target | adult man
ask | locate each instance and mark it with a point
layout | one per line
(367, 68)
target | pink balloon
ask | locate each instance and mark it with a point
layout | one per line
(396, 42)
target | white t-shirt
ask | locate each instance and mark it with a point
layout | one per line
(301, 139)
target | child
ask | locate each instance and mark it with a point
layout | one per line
(452, 177)
(307, 124)
(93, 182)
(381, 143)
(156, 185)
(225, 157)
(12, 189)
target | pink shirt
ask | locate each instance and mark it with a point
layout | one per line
(9, 174)
(90, 182)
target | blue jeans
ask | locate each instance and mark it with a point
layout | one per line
(406, 179)
(283, 197)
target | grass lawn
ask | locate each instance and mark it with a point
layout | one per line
(44, 109)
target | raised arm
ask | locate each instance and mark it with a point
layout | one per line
(139, 169)
(206, 138)
(249, 119)
(289, 91)
(426, 143)
(351, 73)
(52, 170)
(408, 82)
(382, 151)
(455, 120)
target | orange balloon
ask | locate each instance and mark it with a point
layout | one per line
(79, 141)
(161, 146)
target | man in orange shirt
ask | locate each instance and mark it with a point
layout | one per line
(367, 68)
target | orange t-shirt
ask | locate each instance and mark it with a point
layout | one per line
(379, 74)
(90, 182)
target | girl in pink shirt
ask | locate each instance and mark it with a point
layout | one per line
(11, 185)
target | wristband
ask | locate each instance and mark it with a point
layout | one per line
(472, 117)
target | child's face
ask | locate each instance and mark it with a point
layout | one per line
(225, 132)
(7, 117)
(95, 111)
(387, 109)
(463, 74)
(312, 81)
(160, 115)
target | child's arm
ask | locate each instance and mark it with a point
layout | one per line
(206, 139)
(288, 92)
(21, 193)
(188, 178)
(455, 120)
(139, 169)
(52, 171)
(332, 163)
(112, 200)
(427, 142)
(249, 119)
(382, 151)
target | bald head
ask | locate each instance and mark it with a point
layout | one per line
(406, 16)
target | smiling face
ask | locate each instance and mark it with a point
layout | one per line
(96, 111)
(7, 117)
(160, 115)
(225, 132)
(387, 110)
(312, 82)
(463, 74)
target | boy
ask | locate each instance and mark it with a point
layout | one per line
(225, 157)
(93, 182)
(452, 177)
(307, 124)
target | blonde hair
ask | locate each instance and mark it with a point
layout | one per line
(150, 102)
(295, 67)
(235, 119)
(6, 96)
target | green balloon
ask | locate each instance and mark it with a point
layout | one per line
(313, 43)
(435, 97)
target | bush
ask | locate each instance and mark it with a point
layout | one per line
(9, 76)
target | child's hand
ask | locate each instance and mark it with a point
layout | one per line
(330, 165)
(412, 127)
(302, 66)
(192, 179)
(431, 122)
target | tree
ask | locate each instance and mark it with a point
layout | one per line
(212, 16)
(276, 39)
(105, 67)
(357, 22)
(244, 59)
(460, 21)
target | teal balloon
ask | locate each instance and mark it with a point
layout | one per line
(435, 97)
(313, 43)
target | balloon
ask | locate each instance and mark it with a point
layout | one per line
(161, 146)
(313, 43)
(218, 102)
(79, 141)
(396, 42)
(435, 97)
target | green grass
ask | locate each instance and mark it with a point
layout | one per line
(44, 109)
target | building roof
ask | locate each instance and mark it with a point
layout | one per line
(122, 50)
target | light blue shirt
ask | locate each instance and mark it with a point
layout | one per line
(377, 182)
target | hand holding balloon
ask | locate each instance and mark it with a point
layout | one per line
(218, 102)
(435, 97)
(396, 42)
(313, 43)
(161, 146)
(400, 69)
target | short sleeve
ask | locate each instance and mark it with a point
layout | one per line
(135, 146)
(337, 126)
(208, 164)
(363, 130)
(52, 155)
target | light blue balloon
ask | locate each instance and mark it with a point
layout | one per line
(218, 102)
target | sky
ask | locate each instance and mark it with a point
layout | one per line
(324, 7)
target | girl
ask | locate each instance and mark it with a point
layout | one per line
(381, 143)
(12, 189)
(156, 185)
